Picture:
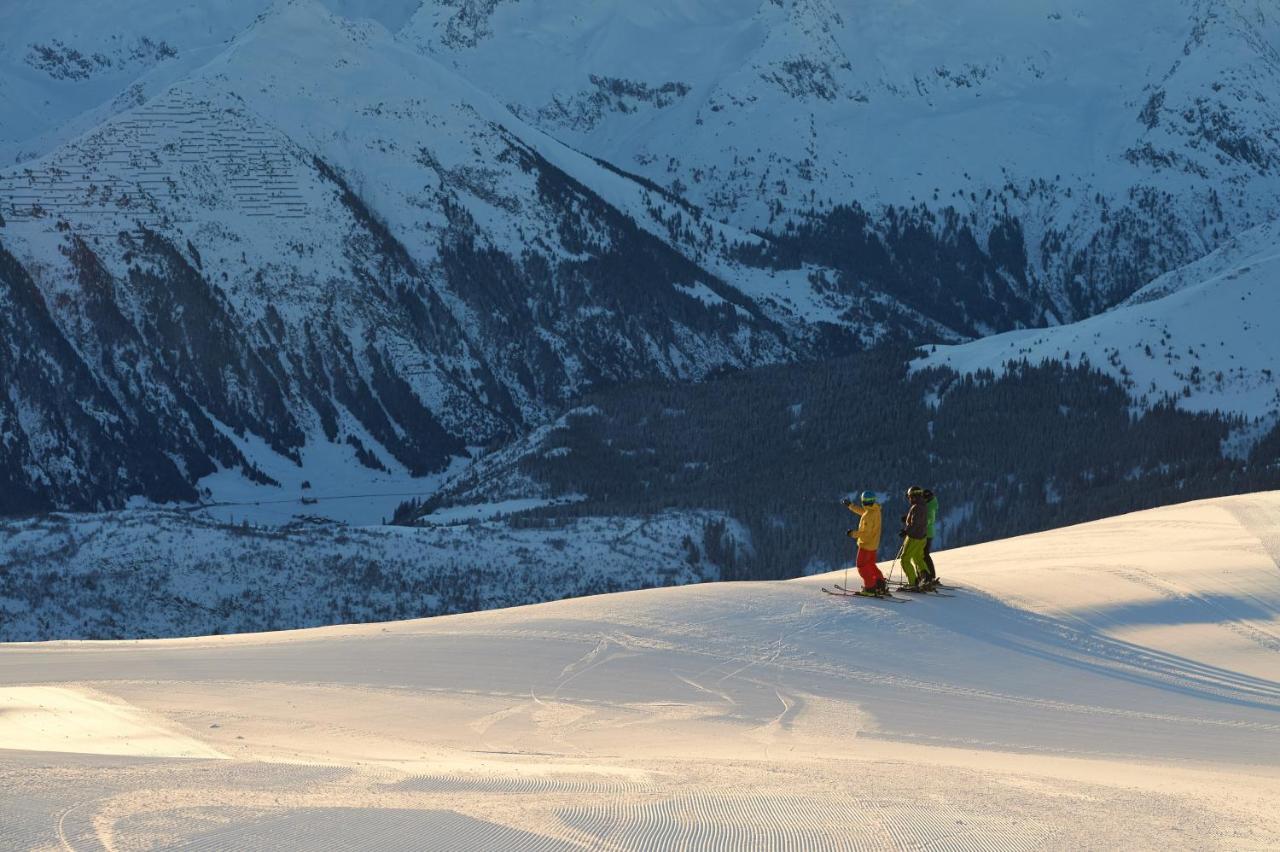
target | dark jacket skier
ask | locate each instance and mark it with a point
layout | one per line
(915, 531)
(916, 524)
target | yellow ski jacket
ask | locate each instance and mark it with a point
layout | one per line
(868, 526)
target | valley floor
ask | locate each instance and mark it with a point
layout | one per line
(1110, 685)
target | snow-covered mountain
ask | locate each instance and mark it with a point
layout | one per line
(270, 244)
(1076, 692)
(320, 236)
(1204, 336)
(1118, 139)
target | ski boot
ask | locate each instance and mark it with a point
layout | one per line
(879, 590)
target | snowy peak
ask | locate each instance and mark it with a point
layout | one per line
(1125, 140)
(1206, 108)
(60, 74)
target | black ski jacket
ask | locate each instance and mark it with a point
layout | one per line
(918, 520)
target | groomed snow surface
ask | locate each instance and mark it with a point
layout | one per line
(1110, 685)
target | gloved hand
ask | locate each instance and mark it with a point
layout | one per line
(846, 502)
(851, 533)
(902, 533)
(903, 519)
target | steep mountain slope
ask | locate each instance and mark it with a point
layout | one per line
(65, 435)
(62, 74)
(1111, 142)
(1203, 335)
(1076, 692)
(321, 237)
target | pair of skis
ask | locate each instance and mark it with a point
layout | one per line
(841, 592)
(932, 590)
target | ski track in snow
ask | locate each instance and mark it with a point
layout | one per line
(1075, 693)
(1262, 519)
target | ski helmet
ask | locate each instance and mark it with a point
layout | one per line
(868, 498)
(914, 491)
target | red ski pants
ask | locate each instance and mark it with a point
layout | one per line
(868, 569)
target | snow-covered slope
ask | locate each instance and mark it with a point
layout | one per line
(1204, 335)
(145, 573)
(63, 73)
(1112, 685)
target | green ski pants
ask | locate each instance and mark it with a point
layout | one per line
(913, 560)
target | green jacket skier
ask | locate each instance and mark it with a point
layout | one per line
(931, 522)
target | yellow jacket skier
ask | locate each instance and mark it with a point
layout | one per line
(868, 536)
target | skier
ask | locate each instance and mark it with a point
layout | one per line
(931, 506)
(915, 531)
(868, 537)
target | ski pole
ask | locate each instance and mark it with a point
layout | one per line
(894, 565)
(845, 503)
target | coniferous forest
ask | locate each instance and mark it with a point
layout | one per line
(1041, 446)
